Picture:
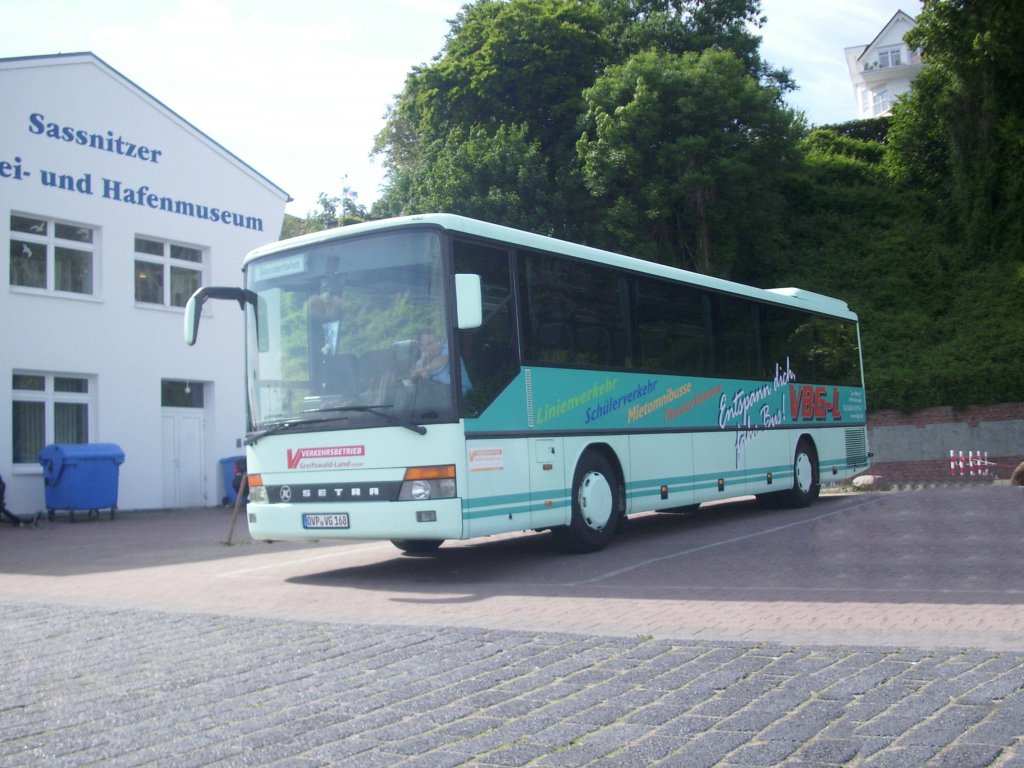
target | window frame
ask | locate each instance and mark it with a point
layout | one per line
(880, 102)
(169, 264)
(893, 57)
(53, 244)
(50, 397)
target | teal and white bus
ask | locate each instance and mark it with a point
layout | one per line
(434, 377)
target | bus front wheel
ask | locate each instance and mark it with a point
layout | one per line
(417, 546)
(597, 506)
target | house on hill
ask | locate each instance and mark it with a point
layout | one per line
(883, 70)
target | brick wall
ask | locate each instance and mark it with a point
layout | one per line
(973, 415)
(914, 448)
(937, 472)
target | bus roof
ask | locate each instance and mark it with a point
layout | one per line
(794, 297)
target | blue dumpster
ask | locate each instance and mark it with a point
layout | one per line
(81, 476)
(232, 469)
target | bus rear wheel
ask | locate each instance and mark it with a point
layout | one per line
(417, 546)
(598, 504)
(806, 481)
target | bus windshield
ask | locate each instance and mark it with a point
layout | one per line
(350, 333)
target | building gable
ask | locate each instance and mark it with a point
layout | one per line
(87, 69)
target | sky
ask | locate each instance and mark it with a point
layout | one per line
(298, 90)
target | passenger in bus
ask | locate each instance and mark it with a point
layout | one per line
(433, 364)
(325, 309)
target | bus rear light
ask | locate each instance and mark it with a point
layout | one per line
(257, 491)
(423, 483)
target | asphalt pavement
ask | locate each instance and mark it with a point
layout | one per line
(146, 640)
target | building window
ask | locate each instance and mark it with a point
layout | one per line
(881, 103)
(890, 58)
(181, 394)
(48, 408)
(166, 273)
(52, 255)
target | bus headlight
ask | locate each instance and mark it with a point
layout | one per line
(419, 490)
(423, 483)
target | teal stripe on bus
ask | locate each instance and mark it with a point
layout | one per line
(517, 503)
(637, 490)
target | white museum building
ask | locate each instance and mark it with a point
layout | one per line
(115, 209)
(883, 70)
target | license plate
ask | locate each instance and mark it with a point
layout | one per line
(339, 520)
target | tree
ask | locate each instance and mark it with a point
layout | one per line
(851, 233)
(961, 132)
(682, 26)
(956, 145)
(500, 176)
(511, 71)
(685, 151)
(510, 82)
(332, 212)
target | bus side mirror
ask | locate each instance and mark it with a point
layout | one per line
(193, 309)
(469, 303)
(194, 306)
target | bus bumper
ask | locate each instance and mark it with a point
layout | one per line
(435, 519)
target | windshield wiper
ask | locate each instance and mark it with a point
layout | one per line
(284, 426)
(398, 421)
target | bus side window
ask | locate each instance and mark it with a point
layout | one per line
(737, 338)
(489, 352)
(594, 345)
(574, 313)
(674, 329)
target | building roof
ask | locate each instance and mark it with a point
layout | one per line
(898, 16)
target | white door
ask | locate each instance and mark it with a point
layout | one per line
(183, 477)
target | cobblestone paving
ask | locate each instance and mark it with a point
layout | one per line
(90, 687)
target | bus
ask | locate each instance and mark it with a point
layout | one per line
(434, 377)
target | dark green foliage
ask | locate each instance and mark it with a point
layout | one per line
(513, 80)
(499, 177)
(685, 152)
(940, 324)
(510, 79)
(961, 135)
(873, 129)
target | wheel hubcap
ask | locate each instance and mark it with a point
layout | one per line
(804, 472)
(596, 502)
